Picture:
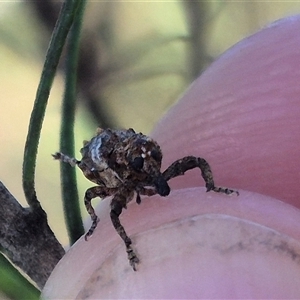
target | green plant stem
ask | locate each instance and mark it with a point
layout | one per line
(68, 174)
(57, 42)
(13, 284)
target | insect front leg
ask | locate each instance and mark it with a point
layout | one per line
(179, 167)
(91, 193)
(117, 204)
(66, 159)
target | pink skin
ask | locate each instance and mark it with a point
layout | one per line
(243, 116)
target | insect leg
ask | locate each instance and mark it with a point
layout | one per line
(144, 191)
(138, 198)
(65, 158)
(117, 204)
(93, 192)
(179, 167)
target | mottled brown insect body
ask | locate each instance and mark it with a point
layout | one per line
(123, 163)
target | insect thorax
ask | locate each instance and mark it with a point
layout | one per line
(115, 157)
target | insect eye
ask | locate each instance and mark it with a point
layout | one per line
(138, 163)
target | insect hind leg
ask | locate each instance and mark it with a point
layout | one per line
(117, 204)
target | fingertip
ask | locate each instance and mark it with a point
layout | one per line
(193, 242)
(242, 115)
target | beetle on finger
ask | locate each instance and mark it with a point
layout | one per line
(125, 164)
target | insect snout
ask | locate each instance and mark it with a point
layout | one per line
(162, 186)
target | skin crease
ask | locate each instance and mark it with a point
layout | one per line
(242, 116)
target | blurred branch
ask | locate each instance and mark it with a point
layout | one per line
(197, 19)
(48, 11)
(26, 239)
(68, 174)
(13, 284)
(90, 82)
(93, 79)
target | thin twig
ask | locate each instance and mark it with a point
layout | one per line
(57, 42)
(68, 174)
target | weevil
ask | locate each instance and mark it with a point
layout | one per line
(125, 164)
